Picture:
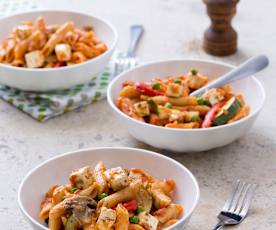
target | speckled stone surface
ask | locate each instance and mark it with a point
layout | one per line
(174, 28)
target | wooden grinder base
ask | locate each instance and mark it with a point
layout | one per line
(220, 38)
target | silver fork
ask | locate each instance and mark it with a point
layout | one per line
(128, 60)
(236, 207)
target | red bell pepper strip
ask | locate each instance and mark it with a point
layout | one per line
(147, 89)
(131, 206)
(210, 116)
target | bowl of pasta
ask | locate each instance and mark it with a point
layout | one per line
(53, 49)
(109, 188)
(153, 102)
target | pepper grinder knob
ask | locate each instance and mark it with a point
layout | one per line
(220, 39)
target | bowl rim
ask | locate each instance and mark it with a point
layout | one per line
(90, 61)
(115, 108)
(137, 151)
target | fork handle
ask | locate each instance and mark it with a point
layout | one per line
(219, 226)
(135, 34)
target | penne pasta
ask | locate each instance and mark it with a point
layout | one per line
(122, 218)
(57, 37)
(84, 205)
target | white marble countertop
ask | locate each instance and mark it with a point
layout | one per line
(174, 28)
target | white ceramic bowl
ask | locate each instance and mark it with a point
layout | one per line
(183, 140)
(57, 170)
(63, 77)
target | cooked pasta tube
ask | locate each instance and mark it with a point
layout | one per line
(20, 49)
(202, 109)
(18, 62)
(58, 195)
(123, 195)
(71, 38)
(167, 186)
(135, 227)
(87, 38)
(91, 191)
(182, 101)
(173, 211)
(78, 57)
(36, 40)
(122, 218)
(169, 223)
(88, 51)
(55, 216)
(100, 177)
(190, 125)
(40, 24)
(57, 37)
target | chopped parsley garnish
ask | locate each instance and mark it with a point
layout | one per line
(194, 71)
(156, 85)
(134, 220)
(102, 196)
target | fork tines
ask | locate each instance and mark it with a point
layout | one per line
(240, 198)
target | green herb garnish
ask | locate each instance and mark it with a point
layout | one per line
(202, 101)
(177, 81)
(194, 71)
(75, 188)
(139, 210)
(156, 85)
(134, 220)
(102, 196)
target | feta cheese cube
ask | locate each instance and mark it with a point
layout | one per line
(82, 178)
(141, 108)
(34, 59)
(63, 52)
(174, 90)
(214, 95)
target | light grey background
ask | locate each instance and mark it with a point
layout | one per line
(174, 28)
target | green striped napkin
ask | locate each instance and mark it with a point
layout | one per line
(43, 106)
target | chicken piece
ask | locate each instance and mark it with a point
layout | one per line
(82, 178)
(148, 221)
(160, 199)
(63, 52)
(23, 31)
(106, 219)
(174, 90)
(136, 174)
(144, 199)
(34, 59)
(141, 108)
(196, 80)
(117, 178)
(173, 211)
(214, 95)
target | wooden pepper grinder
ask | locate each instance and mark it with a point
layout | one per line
(220, 39)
